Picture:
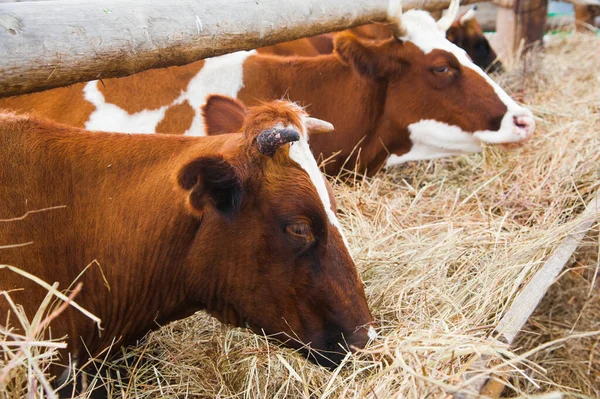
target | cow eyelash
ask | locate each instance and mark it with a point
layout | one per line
(301, 230)
(442, 69)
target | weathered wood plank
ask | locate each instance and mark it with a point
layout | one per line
(528, 299)
(530, 296)
(521, 24)
(56, 43)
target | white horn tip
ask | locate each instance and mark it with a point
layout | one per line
(446, 21)
(314, 125)
(469, 15)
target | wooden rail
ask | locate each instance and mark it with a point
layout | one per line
(48, 44)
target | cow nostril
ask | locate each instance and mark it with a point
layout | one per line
(519, 122)
(525, 125)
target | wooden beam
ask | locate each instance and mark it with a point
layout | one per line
(56, 43)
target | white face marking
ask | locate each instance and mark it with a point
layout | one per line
(434, 139)
(301, 154)
(219, 75)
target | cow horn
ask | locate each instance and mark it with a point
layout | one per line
(394, 14)
(314, 125)
(469, 15)
(447, 20)
(268, 141)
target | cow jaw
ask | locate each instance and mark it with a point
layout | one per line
(433, 139)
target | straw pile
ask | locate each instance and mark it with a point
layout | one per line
(443, 247)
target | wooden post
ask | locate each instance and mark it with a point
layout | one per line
(48, 44)
(520, 24)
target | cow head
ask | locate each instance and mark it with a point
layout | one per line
(280, 264)
(466, 33)
(434, 94)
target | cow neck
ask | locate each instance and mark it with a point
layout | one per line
(139, 297)
(330, 89)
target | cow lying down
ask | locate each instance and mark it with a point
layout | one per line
(241, 225)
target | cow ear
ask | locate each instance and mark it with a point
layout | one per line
(223, 114)
(211, 181)
(368, 59)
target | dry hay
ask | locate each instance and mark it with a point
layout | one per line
(443, 247)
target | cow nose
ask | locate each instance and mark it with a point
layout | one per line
(524, 126)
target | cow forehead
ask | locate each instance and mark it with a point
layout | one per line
(422, 31)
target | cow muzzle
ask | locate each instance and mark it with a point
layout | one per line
(516, 127)
(338, 346)
(524, 126)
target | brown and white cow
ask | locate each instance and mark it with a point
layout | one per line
(465, 32)
(241, 225)
(412, 97)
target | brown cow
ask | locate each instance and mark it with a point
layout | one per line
(411, 97)
(465, 32)
(240, 225)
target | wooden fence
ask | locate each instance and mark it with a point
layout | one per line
(55, 43)
(46, 44)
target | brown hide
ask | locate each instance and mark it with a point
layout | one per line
(468, 35)
(300, 47)
(176, 224)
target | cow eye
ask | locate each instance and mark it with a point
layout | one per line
(300, 230)
(440, 70)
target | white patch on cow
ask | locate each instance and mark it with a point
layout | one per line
(372, 334)
(433, 139)
(421, 30)
(219, 75)
(301, 154)
(110, 118)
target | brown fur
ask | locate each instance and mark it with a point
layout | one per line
(64, 105)
(169, 82)
(177, 224)
(177, 119)
(301, 48)
(469, 36)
